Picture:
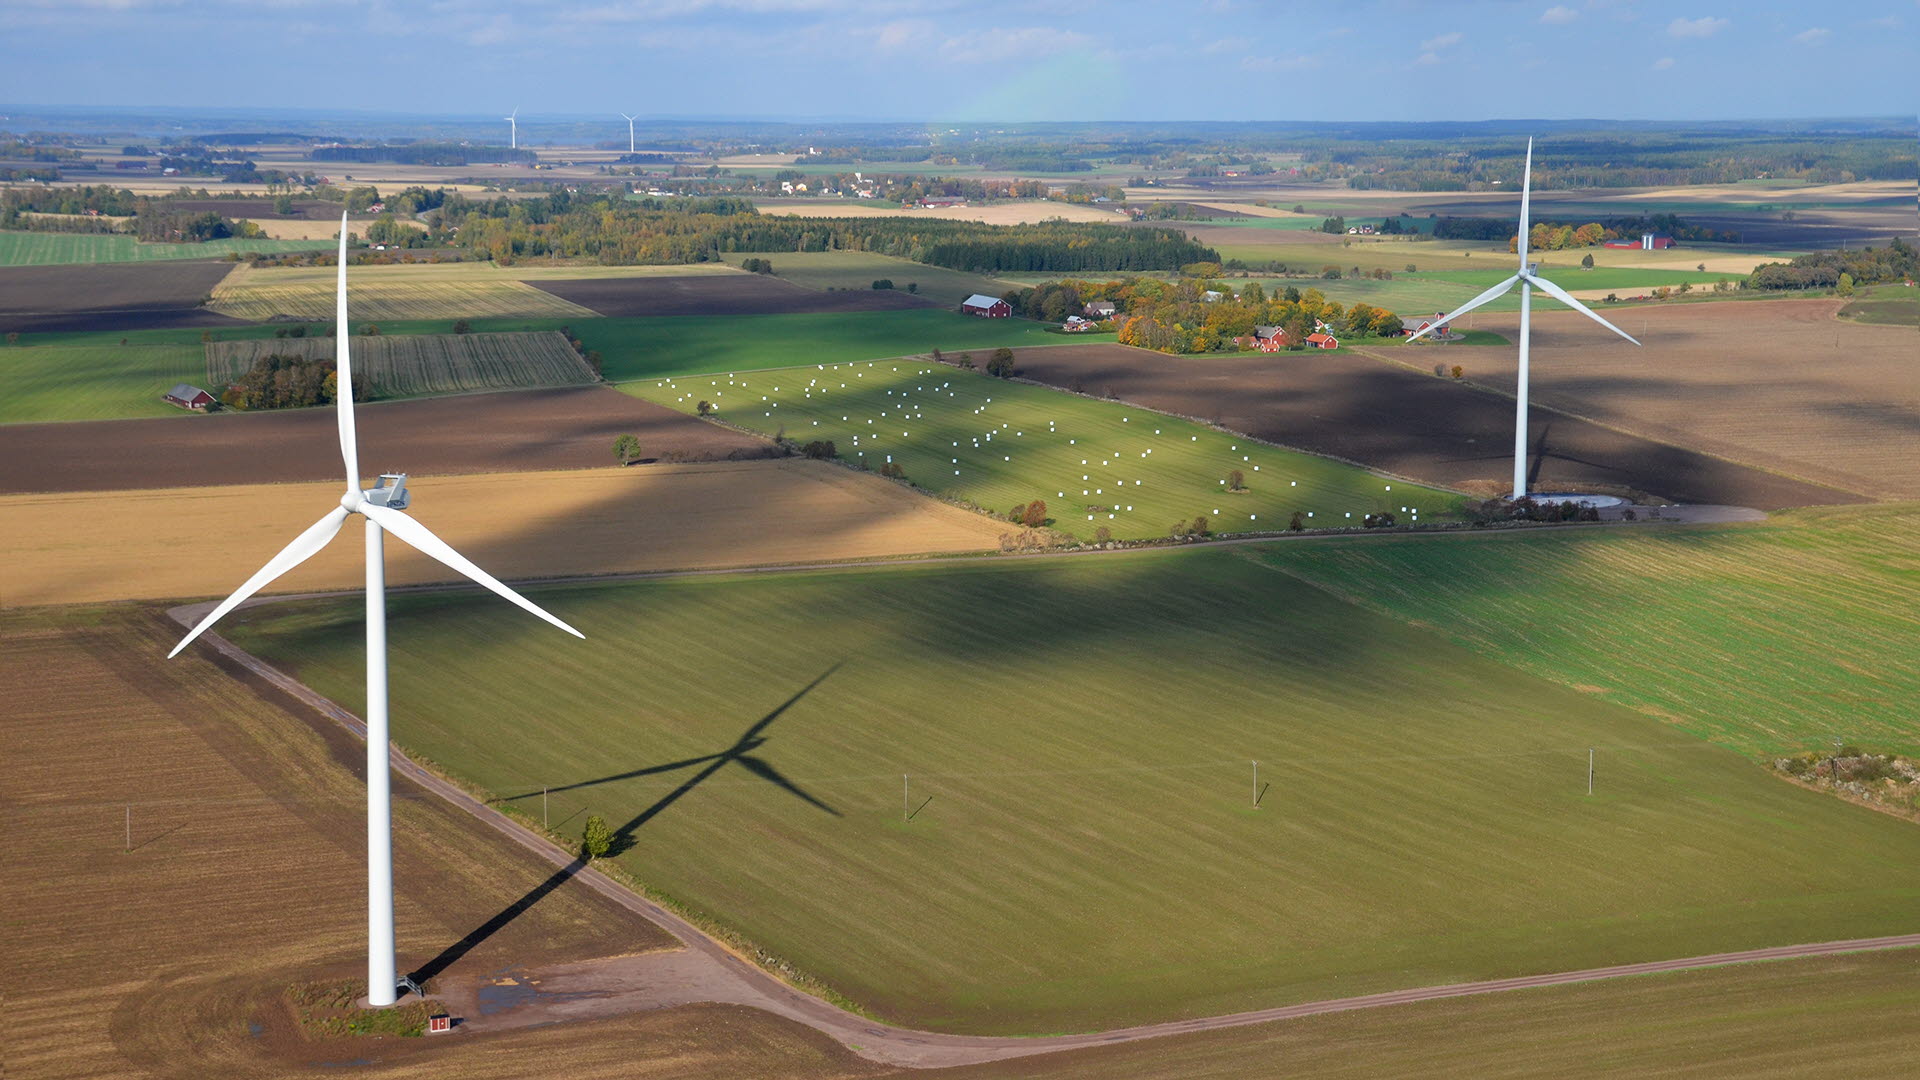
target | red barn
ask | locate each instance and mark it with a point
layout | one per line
(1647, 242)
(1441, 330)
(986, 307)
(188, 397)
(1323, 341)
(1265, 338)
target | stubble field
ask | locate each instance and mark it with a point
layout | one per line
(203, 541)
(395, 366)
(445, 291)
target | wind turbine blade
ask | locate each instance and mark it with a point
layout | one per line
(1468, 306)
(772, 775)
(1526, 198)
(343, 371)
(433, 547)
(1564, 297)
(304, 547)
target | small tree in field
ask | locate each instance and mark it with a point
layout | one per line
(704, 408)
(1034, 514)
(1236, 481)
(596, 840)
(936, 355)
(1201, 526)
(462, 326)
(1586, 262)
(1000, 366)
(966, 360)
(1299, 522)
(1102, 534)
(626, 448)
(1459, 372)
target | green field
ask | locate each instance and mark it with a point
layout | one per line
(95, 380)
(1889, 305)
(51, 249)
(996, 443)
(860, 269)
(1077, 733)
(1769, 639)
(1563, 269)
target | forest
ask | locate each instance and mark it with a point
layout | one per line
(1825, 269)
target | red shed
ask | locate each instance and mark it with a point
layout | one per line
(986, 307)
(188, 397)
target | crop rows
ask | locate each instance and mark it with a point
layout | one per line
(401, 366)
(249, 297)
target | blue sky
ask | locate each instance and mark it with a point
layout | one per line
(948, 60)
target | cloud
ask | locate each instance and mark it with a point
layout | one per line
(1267, 62)
(1434, 44)
(1705, 26)
(1813, 35)
(1663, 63)
(1558, 15)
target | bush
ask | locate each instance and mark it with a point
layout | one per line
(1236, 481)
(626, 448)
(704, 408)
(966, 361)
(893, 469)
(883, 283)
(462, 326)
(1102, 534)
(1201, 526)
(1458, 371)
(1000, 366)
(1382, 520)
(597, 839)
(1298, 523)
(820, 450)
(1034, 514)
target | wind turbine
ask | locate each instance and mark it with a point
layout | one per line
(1524, 279)
(629, 132)
(513, 129)
(381, 505)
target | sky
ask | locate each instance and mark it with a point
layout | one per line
(977, 60)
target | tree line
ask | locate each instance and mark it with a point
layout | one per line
(1177, 316)
(1825, 269)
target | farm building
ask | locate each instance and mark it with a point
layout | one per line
(1100, 309)
(1441, 331)
(1264, 338)
(934, 202)
(986, 307)
(1646, 242)
(188, 397)
(1322, 340)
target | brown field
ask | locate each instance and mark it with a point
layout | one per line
(444, 291)
(110, 296)
(1382, 415)
(993, 213)
(718, 294)
(570, 428)
(1781, 384)
(188, 542)
(422, 363)
(296, 228)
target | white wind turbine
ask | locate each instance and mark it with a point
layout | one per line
(381, 505)
(629, 132)
(513, 129)
(1524, 278)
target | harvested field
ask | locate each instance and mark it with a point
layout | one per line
(416, 364)
(115, 296)
(1781, 384)
(993, 213)
(1388, 417)
(299, 228)
(728, 294)
(386, 292)
(571, 428)
(185, 542)
(246, 871)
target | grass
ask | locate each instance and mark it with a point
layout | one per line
(53, 249)
(1566, 273)
(393, 365)
(1769, 639)
(96, 380)
(859, 270)
(996, 444)
(1888, 307)
(1075, 736)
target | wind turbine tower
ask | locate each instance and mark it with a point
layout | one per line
(513, 130)
(629, 133)
(1528, 281)
(381, 506)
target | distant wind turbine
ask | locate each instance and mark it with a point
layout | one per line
(513, 128)
(629, 133)
(1528, 277)
(381, 505)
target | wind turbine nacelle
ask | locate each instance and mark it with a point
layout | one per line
(390, 491)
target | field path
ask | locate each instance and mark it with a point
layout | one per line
(709, 971)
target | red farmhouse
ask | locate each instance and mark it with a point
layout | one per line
(1323, 341)
(986, 307)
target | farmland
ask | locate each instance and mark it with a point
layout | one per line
(860, 269)
(1781, 384)
(451, 291)
(1357, 407)
(1067, 796)
(108, 296)
(167, 542)
(54, 249)
(994, 443)
(245, 872)
(1021, 212)
(721, 294)
(95, 381)
(394, 366)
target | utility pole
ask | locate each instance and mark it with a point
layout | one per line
(1589, 770)
(543, 807)
(129, 828)
(903, 797)
(1256, 785)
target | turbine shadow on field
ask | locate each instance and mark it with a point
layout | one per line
(739, 753)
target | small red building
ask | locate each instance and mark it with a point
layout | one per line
(1322, 340)
(1265, 338)
(1441, 330)
(986, 307)
(1646, 242)
(188, 397)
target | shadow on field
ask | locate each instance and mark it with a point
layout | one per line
(739, 753)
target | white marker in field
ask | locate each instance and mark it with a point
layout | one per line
(381, 506)
(1527, 282)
